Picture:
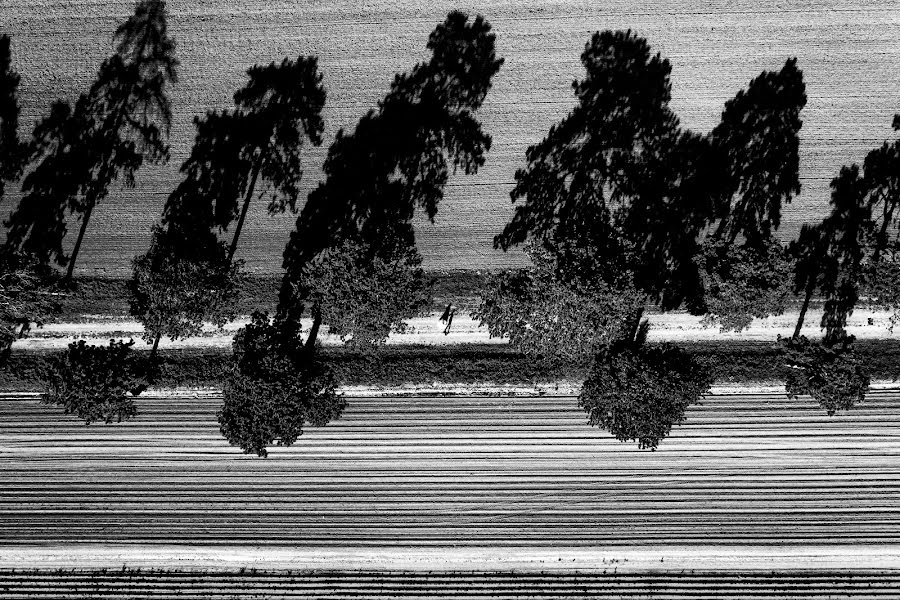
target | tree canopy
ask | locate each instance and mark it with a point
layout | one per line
(549, 320)
(94, 382)
(639, 393)
(603, 179)
(274, 389)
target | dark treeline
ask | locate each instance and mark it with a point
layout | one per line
(619, 208)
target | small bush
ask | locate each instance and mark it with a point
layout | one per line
(94, 382)
(274, 388)
(363, 297)
(553, 320)
(830, 373)
(29, 293)
(639, 393)
(742, 283)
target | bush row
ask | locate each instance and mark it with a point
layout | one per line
(744, 362)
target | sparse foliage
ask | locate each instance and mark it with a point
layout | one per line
(545, 318)
(181, 283)
(27, 295)
(830, 372)
(638, 393)
(94, 382)
(362, 298)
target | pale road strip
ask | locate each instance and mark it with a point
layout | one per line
(668, 327)
(561, 388)
(424, 559)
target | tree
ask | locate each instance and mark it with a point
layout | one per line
(118, 124)
(598, 188)
(398, 159)
(829, 372)
(618, 196)
(876, 204)
(744, 282)
(180, 283)
(274, 389)
(363, 299)
(188, 276)
(13, 153)
(27, 295)
(640, 392)
(743, 266)
(94, 382)
(547, 319)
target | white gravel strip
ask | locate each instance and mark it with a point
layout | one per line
(553, 389)
(668, 558)
(673, 327)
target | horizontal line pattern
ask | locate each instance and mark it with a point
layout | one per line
(754, 469)
(497, 586)
(848, 54)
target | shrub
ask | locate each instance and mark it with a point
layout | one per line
(544, 317)
(174, 290)
(274, 388)
(639, 393)
(830, 373)
(28, 294)
(94, 382)
(742, 283)
(363, 297)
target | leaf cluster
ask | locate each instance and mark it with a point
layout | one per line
(743, 282)
(94, 382)
(830, 372)
(181, 282)
(549, 319)
(274, 389)
(640, 392)
(363, 299)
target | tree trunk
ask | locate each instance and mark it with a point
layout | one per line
(247, 198)
(810, 288)
(310, 345)
(74, 257)
(154, 349)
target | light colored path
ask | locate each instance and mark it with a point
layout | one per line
(428, 330)
(428, 559)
